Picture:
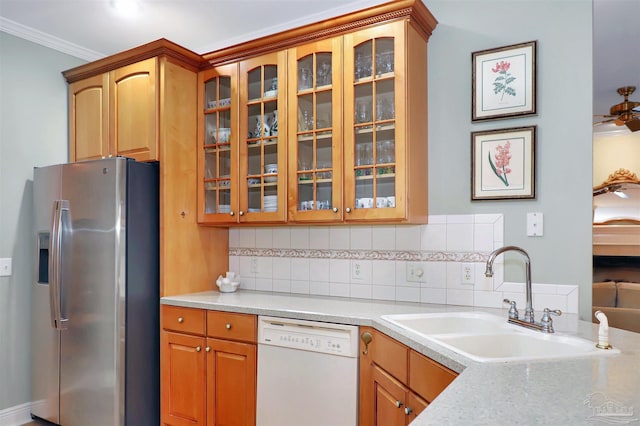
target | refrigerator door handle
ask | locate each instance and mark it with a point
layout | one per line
(55, 263)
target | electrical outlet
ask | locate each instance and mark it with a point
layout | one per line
(254, 265)
(5, 267)
(415, 272)
(467, 276)
(357, 273)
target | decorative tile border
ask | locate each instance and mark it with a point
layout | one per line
(320, 261)
(411, 256)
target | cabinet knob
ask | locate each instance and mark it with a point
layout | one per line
(180, 320)
(232, 213)
(366, 338)
(241, 213)
(228, 326)
(348, 209)
(335, 210)
(398, 404)
(408, 410)
(198, 348)
(208, 349)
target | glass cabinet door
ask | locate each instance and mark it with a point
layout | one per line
(315, 166)
(263, 149)
(373, 135)
(218, 155)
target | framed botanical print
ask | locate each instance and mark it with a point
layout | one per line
(503, 164)
(504, 82)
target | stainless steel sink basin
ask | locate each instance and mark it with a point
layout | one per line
(485, 337)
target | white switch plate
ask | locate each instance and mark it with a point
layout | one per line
(535, 224)
(5, 267)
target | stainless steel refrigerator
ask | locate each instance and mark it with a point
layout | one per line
(95, 299)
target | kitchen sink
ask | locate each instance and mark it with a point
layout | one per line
(449, 322)
(485, 337)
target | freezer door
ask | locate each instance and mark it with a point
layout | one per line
(45, 339)
(92, 293)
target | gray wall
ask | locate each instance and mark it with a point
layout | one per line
(564, 148)
(33, 132)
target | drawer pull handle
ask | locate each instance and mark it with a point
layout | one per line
(198, 348)
(180, 320)
(228, 326)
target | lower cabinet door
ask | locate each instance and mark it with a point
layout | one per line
(389, 399)
(231, 383)
(183, 379)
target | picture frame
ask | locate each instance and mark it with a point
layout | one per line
(503, 82)
(503, 164)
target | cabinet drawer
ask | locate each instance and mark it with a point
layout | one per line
(232, 326)
(184, 320)
(391, 355)
(428, 378)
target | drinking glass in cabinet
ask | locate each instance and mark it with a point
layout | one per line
(364, 154)
(363, 65)
(305, 78)
(363, 112)
(323, 73)
(384, 63)
(305, 120)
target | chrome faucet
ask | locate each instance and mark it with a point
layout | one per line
(546, 324)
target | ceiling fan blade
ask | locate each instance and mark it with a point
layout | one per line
(599, 123)
(633, 125)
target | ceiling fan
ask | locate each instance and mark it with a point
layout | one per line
(626, 113)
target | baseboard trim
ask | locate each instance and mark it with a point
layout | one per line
(16, 415)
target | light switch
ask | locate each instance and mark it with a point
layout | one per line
(535, 224)
(5, 267)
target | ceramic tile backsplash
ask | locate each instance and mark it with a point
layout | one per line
(371, 262)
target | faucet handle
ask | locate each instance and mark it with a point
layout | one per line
(546, 322)
(513, 311)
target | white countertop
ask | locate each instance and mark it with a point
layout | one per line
(578, 391)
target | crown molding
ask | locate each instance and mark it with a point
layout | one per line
(22, 31)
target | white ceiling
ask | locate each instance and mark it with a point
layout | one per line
(91, 29)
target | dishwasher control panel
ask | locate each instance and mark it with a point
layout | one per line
(329, 338)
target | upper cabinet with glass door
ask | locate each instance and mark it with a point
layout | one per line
(332, 123)
(262, 147)
(315, 131)
(385, 134)
(217, 147)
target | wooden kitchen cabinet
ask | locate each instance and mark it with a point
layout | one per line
(142, 103)
(314, 124)
(89, 119)
(116, 113)
(262, 146)
(385, 126)
(218, 133)
(208, 367)
(396, 383)
(349, 96)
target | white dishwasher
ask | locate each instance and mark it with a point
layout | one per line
(307, 373)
